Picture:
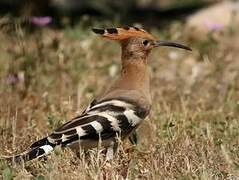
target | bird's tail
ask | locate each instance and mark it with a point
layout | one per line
(37, 149)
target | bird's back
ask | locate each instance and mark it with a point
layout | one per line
(105, 118)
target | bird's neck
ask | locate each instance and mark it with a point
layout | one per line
(134, 76)
(134, 71)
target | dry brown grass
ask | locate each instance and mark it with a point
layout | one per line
(191, 133)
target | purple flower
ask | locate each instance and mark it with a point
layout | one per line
(12, 79)
(41, 20)
(213, 26)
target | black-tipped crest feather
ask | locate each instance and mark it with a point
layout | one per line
(98, 31)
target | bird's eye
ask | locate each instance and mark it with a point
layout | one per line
(145, 42)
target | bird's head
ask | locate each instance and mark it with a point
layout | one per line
(136, 42)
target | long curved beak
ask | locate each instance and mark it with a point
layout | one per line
(171, 44)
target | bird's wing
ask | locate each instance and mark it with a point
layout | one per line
(101, 120)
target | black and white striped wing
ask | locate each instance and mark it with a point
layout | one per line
(103, 120)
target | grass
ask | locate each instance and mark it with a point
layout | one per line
(192, 132)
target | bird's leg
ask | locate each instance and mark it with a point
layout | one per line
(133, 138)
(110, 152)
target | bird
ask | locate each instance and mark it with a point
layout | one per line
(117, 112)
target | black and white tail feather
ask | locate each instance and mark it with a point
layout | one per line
(103, 120)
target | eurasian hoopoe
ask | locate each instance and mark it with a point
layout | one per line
(120, 109)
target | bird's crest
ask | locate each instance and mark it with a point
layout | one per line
(123, 33)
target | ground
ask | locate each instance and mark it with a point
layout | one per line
(49, 75)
